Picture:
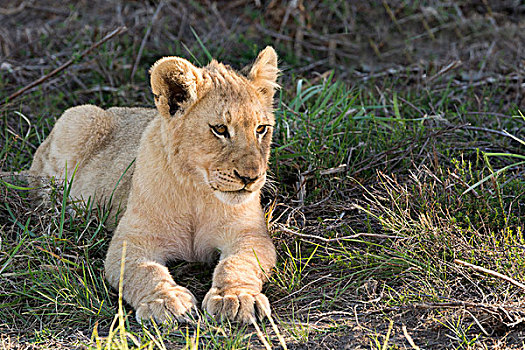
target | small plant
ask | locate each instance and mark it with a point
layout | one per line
(290, 275)
(519, 162)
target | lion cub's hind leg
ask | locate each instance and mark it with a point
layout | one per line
(77, 135)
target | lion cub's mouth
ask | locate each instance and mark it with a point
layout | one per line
(234, 197)
(241, 191)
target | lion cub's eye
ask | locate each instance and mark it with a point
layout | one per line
(261, 129)
(220, 130)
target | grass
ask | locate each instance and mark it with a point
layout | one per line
(54, 258)
(382, 180)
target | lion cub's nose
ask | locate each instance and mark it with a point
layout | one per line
(245, 179)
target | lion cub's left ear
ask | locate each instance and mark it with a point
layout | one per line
(264, 73)
(174, 82)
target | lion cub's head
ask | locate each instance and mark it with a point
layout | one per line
(218, 123)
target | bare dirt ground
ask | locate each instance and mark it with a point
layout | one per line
(362, 40)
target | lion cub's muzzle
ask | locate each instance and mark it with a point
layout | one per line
(236, 181)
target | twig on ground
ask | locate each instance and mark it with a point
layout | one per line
(329, 315)
(72, 60)
(494, 309)
(478, 323)
(490, 272)
(260, 334)
(409, 338)
(387, 337)
(13, 10)
(338, 169)
(276, 330)
(236, 4)
(213, 7)
(477, 128)
(56, 11)
(328, 240)
(291, 6)
(451, 66)
(303, 288)
(144, 40)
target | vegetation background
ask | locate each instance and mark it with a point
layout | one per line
(398, 165)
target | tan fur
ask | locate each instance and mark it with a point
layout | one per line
(191, 194)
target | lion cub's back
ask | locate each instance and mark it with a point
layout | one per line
(101, 144)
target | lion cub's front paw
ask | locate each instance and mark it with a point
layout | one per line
(167, 303)
(236, 304)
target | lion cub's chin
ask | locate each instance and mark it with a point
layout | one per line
(235, 198)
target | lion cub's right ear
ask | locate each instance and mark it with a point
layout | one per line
(174, 82)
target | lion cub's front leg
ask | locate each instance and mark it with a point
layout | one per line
(239, 277)
(147, 283)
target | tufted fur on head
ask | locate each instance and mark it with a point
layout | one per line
(176, 83)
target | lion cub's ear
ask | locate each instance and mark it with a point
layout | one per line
(264, 73)
(174, 83)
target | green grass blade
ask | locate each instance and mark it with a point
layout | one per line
(491, 176)
(201, 44)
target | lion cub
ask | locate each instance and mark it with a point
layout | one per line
(188, 174)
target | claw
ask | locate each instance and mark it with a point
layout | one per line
(168, 305)
(236, 305)
(263, 306)
(142, 321)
